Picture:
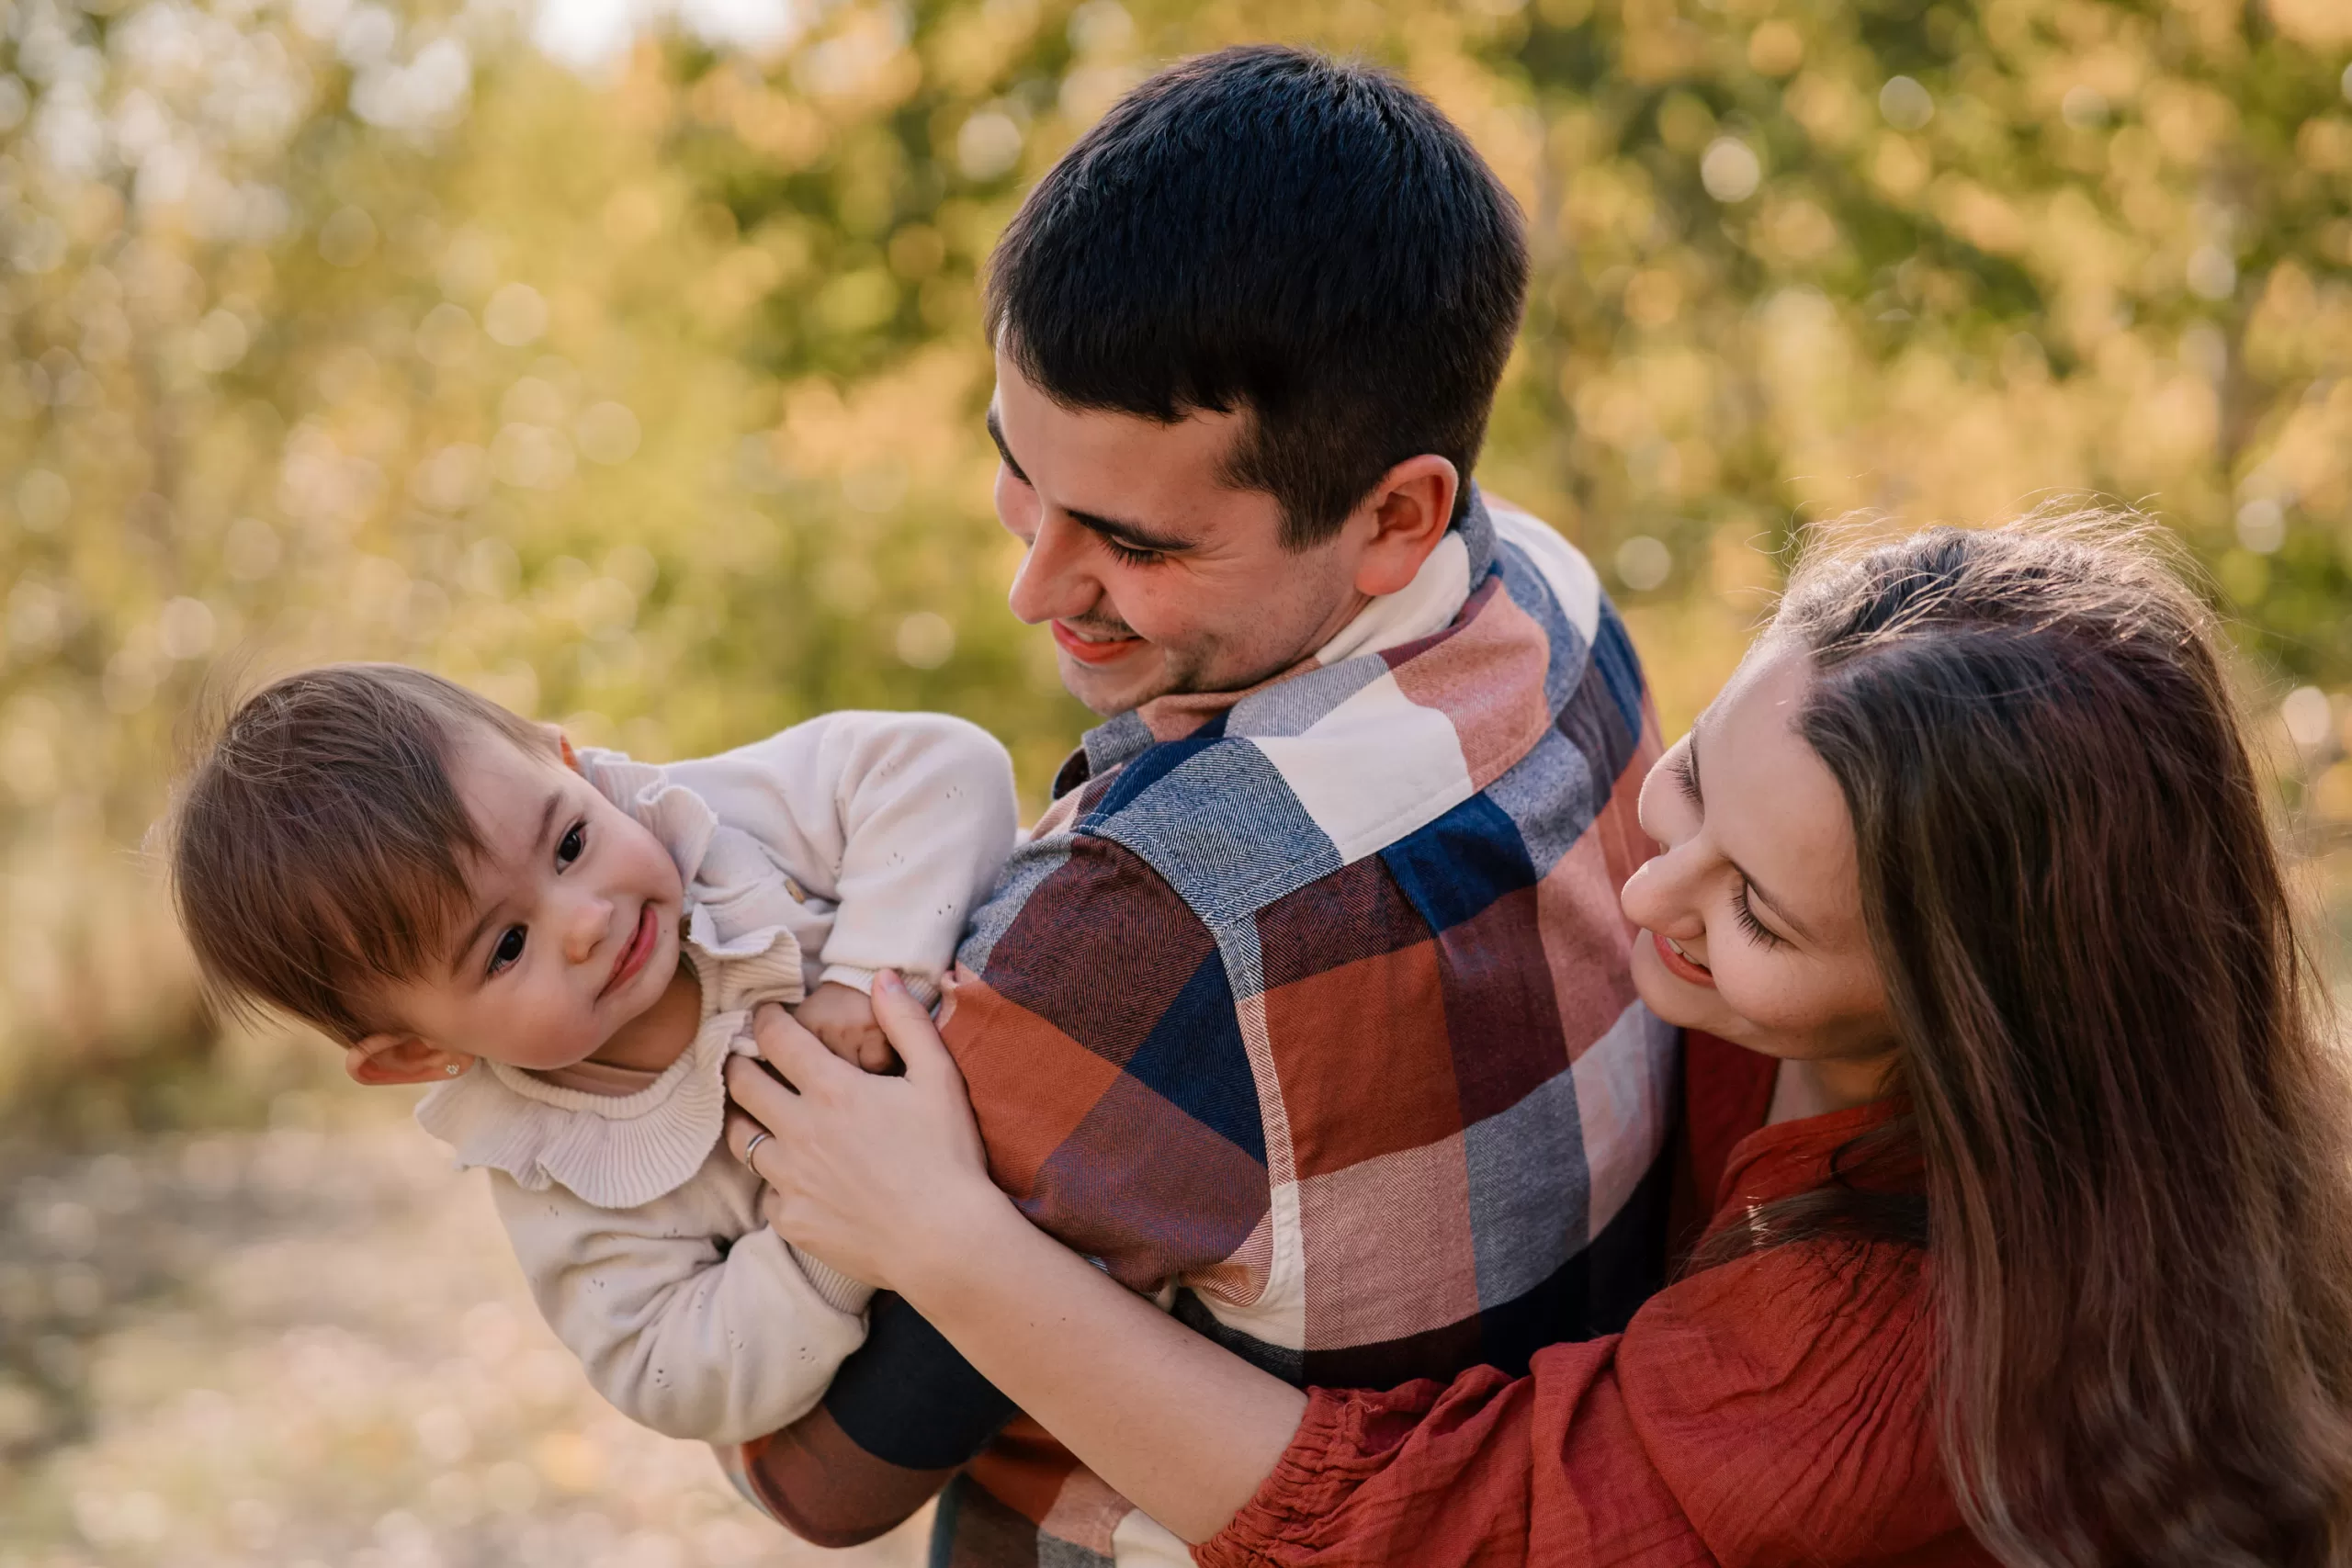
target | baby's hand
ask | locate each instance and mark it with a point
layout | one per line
(842, 1017)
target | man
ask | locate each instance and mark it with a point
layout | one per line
(1307, 1007)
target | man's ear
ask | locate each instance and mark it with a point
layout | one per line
(1410, 509)
(391, 1059)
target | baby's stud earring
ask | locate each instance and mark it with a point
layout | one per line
(451, 1069)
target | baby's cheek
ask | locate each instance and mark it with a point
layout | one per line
(557, 1031)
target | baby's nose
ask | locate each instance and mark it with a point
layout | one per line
(591, 918)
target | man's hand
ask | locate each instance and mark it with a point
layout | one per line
(842, 1017)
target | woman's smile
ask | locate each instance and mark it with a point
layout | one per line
(1678, 964)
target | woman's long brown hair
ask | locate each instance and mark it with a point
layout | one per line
(2129, 1109)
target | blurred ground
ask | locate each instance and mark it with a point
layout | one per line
(307, 1345)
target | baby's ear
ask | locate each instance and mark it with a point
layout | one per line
(562, 744)
(389, 1058)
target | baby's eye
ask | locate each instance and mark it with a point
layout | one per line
(572, 845)
(509, 950)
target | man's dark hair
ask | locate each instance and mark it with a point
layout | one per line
(1268, 230)
(319, 847)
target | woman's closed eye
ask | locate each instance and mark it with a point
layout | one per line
(1745, 914)
(1685, 769)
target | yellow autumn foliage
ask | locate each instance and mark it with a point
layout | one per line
(642, 390)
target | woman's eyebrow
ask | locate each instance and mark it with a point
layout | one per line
(1755, 888)
(1755, 892)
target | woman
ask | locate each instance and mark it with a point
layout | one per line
(2036, 1243)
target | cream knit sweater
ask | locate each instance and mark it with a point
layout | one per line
(855, 843)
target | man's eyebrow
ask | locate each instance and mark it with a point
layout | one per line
(996, 433)
(489, 911)
(1134, 535)
(1755, 888)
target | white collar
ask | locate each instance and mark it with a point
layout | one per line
(1422, 608)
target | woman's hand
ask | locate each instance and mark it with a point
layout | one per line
(885, 1179)
(879, 1176)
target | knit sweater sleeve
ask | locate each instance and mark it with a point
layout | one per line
(689, 1315)
(902, 820)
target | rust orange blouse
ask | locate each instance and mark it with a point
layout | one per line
(1772, 1410)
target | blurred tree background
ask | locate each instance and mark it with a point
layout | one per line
(624, 362)
(634, 375)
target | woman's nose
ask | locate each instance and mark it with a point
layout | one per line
(1657, 898)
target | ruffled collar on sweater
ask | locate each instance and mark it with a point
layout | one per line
(619, 1151)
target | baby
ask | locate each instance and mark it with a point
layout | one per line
(567, 946)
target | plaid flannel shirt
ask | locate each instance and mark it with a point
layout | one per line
(1309, 1010)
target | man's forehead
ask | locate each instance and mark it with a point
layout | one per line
(1120, 460)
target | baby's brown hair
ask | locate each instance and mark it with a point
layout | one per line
(318, 846)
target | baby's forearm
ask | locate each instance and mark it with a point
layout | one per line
(1185, 1430)
(736, 1350)
(677, 1336)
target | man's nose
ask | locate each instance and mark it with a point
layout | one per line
(1055, 581)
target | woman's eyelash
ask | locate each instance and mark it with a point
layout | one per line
(1756, 929)
(1686, 777)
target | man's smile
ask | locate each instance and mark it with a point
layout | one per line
(1094, 648)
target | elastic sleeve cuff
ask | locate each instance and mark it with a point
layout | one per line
(1315, 1475)
(923, 989)
(840, 1292)
(848, 974)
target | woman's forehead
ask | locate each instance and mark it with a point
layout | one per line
(1771, 678)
